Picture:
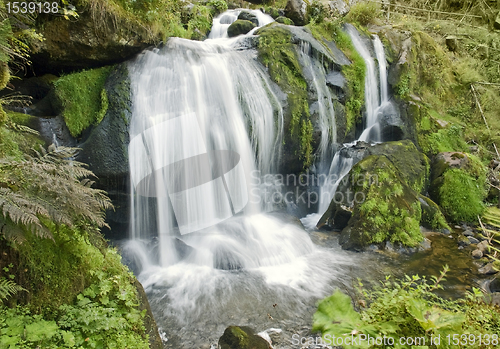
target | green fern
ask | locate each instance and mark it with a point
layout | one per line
(8, 288)
(48, 186)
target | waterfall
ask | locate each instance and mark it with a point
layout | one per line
(326, 122)
(375, 103)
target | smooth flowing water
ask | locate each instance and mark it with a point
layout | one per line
(375, 103)
(205, 125)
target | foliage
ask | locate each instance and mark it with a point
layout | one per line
(83, 98)
(218, 6)
(278, 54)
(443, 140)
(8, 288)
(407, 308)
(48, 186)
(104, 315)
(363, 13)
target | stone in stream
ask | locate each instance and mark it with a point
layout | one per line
(240, 27)
(487, 269)
(483, 246)
(296, 10)
(473, 240)
(463, 241)
(468, 233)
(243, 337)
(477, 254)
(247, 16)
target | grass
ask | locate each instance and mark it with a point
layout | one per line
(83, 98)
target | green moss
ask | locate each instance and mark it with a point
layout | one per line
(432, 217)
(278, 54)
(83, 98)
(390, 210)
(461, 196)
(200, 23)
(444, 140)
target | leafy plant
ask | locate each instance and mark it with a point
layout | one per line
(48, 186)
(8, 288)
(406, 308)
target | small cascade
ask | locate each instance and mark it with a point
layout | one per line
(375, 104)
(224, 20)
(327, 123)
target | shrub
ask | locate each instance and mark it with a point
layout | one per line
(363, 13)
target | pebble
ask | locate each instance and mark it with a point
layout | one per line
(487, 269)
(473, 240)
(482, 246)
(458, 227)
(468, 233)
(446, 232)
(477, 254)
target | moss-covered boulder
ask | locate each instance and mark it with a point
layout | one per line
(105, 149)
(239, 27)
(383, 193)
(459, 185)
(236, 337)
(385, 207)
(284, 20)
(248, 16)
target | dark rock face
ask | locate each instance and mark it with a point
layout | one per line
(149, 321)
(296, 10)
(240, 27)
(87, 42)
(106, 149)
(247, 16)
(236, 337)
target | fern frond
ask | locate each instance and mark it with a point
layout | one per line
(8, 288)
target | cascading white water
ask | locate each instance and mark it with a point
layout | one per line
(326, 122)
(375, 104)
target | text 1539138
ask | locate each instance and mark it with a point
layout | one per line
(32, 7)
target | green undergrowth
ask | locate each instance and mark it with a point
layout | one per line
(354, 73)
(408, 308)
(363, 13)
(79, 296)
(83, 99)
(278, 54)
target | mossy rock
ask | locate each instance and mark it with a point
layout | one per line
(385, 207)
(432, 217)
(284, 20)
(459, 185)
(240, 27)
(248, 16)
(412, 165)
(236, 337)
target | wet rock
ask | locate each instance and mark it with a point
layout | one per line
(296, 10)
(494, 285)
(468, 233)
(240, 27)
(463, 241)
(477, 254)
(446, 231)
(247, 16)
(473, 240)
(432, 218)
(236, 337)
(392, 127)
(487, 269)
(446, 160)
(496, 24)
(483, 246)
(284, 20)
(336, 79)
(149, 321)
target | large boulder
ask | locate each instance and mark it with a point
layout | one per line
(458, 185)
(236, 337)
(385, 208)
(93, 40)
(248, 16)
(240, 27)
(380, 197)
(106, 148)
(296, 10)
